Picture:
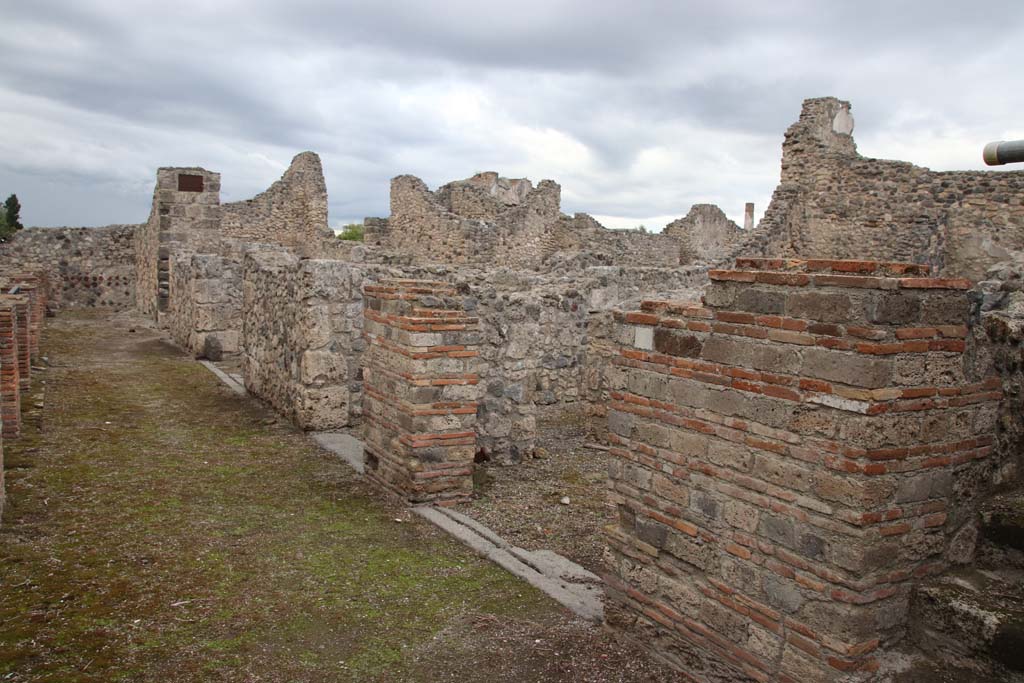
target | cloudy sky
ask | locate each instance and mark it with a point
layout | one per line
(639, 109)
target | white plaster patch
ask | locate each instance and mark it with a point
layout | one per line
(841, 403)
(643, 338)
(843, 122)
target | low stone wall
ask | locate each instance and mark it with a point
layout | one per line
(789, 460)
(420, 399)
(302, 337)
(88, 267)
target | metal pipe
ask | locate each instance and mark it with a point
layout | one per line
(1001, 152)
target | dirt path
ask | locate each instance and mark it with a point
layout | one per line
(161, 529)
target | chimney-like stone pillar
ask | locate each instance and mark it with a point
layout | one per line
(748, 216)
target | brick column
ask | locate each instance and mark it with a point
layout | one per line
(10, 388)
(23, 332)
(420, 391)
(789, 459)
(32, 286)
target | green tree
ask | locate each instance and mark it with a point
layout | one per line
(352, 231)
(12, 211)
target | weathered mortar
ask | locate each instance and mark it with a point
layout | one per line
(790, 459)
(421, 391)
(488, 219)
(705, 235)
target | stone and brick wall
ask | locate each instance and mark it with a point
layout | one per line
(789, 458)
(421, 390)
(23, 311)
(90, 267)
(302, 337)
(32, 303)
(832, 202)
(10, 386)
(292, 212)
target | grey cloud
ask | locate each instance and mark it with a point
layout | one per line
(379, 89)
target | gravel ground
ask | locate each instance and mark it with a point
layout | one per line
(523, 503)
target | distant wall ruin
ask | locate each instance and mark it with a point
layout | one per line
(489, 219)
(833, 203)
(292, 212)
(705, 234)
(87, 267)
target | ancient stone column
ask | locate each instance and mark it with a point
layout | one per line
(420, 390)
(748, 216)
(789, 458)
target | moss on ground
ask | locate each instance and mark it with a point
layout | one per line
(159, 529)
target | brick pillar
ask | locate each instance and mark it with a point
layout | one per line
(32, 285)
(23, 332)
(420, 391)
(789, 459)
(10, 388)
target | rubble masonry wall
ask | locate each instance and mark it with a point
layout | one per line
(833, 203)
(302, 337)
(292, 212)
(90, 267)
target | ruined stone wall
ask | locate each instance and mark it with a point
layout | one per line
(205, 315)
(833, 203)
(90, 267)
(302, 337)
(185, 215)
(488, 219)
(536, 341)
(790, 459)
(705, 235)
(292, 212)
(421, 389)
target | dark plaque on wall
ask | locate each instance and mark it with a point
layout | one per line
(190, 183)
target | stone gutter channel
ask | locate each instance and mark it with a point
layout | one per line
(562, 579)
